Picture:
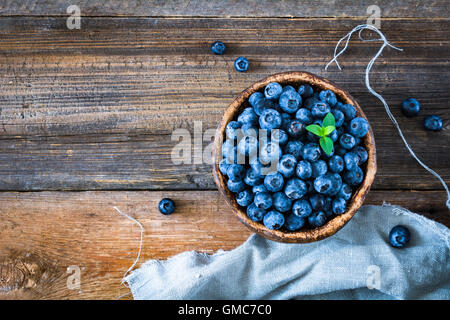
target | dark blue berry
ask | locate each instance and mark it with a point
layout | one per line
(354, 177)
(311, 152)
(287, 165)
(270, 152)
(281, 202)
(285, 119)
(399, 236)
(317, 201)
(290, 101)
(305, 90)
(166, 206)
(334, 135)
(263, 200)
(235, 186)
(329, 97)
(263, 104)
(338, 117)
(345, 192)
(351, 160)
(248, 115)
(304, 115)
(310, 102)
(304, 169)
(288, 88)
(253, 178)
(255, 213)
(241, 64)
(295, 148)
(362, 154)
(279, 136)
(410, 107)
(236, 172)
(433, 123)
(358, 127)
(323, 184)
(274, 182)
(347, 141)
(320, 109)
(301, 208)
(336, 164)
(273, 220)
(259, 188)
(254, 97)
(295, 188)
(293, 223)
(317, 219)
(339, 206)
(295, 128)
(248, 145)
(349, 111)
(273, 91)
(319, 168)
(223, 166)
(244, 198)
(218, 47)
(270, 119)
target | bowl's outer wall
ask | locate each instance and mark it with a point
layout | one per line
(309, 235)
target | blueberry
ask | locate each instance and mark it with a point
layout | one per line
(327, 207)
(270, 152)
(339, 206)
(288, 88)
(259, 188)
(311, 152)
(227, 148)
(231, 155)
(317, 201)
(263, 104)
(223, 166)
(218, 47)
(305, 90)
(338, 117)
(345, 192)
(232, 128)
(254, 97)
(241, 64)
(273, 90)
(334, 135)
(281, 202)
(295, 128)
(328, 96)
(285, 119)
(323, 184)
(263, 200)
(304, 169)
(349, 111)
(359, 127)
(410, 107)
(399, 236)
(290, 101)
(351, 160)
(304, 115)
(337, 183)
(433, 123)
(236, 172)
(317, 219)
(253, 178)
(310, 102)
(287, 165)
(354, 177)
(248, 145)
(270, 119)
(362, 154)
(260, 168)
(339, 150)
(295, 188)
(166, 206)
(320, 109)
(255, 213)
(347, 141)
(244, 198)
(336, 164)
(293, 223)
(248, 116)
(279, 136)
(273, 220)
(295, 148)
(274, 182)
(301, 208)
(319, 168)
(235, 186)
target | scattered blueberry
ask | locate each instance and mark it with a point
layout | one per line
(273, 220)
(317, 201)
(166, 206)
(399, 236)
(320, 109)
(349, 111)
(338, 117)
(433, 123)
(241, 64)
(351, 160)
(270, 152)
(236, 172)
(410, 107)
(253, 177)
(259, 188)
(218, 47)
(295, 128)
(362, 154)
(304, 115)
(345, 192)
(248, 116)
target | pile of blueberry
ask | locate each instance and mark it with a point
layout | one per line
(280, 171)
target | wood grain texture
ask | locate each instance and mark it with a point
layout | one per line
(93, 109)
(43, 233)
(229, 8)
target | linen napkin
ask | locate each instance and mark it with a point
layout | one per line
(355, 263)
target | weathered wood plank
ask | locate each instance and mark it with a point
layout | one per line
(43, 233)
(94, 108)
(229, 8)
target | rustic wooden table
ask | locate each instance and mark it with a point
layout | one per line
(86, 117)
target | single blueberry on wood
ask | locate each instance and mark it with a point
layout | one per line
(166, 206)
(218, 47)
(241, 64)
(410, 107)
(433, 123)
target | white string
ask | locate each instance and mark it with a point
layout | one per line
(360, 28)
(139, 253)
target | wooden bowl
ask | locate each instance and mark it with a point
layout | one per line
(294, 78)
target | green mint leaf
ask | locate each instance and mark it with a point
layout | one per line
(327, 145)
(314, 128)
(328, 130)
(328, 121)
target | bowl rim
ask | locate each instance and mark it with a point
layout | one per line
(333, 225)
